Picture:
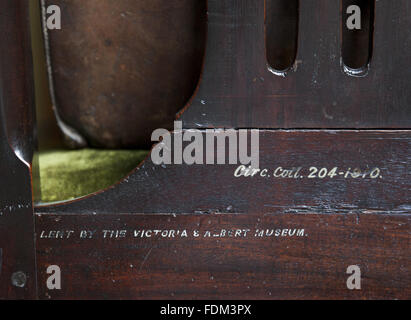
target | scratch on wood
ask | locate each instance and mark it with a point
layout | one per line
(145, 259)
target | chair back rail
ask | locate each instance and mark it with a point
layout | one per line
(237, 89)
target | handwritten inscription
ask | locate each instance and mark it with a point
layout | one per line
(173, 233)
(308, 173)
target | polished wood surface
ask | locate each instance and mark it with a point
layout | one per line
(124, 68)
(189, 189)
(350, 217)
(238, 90)
(17, 255)
(346, 221)
(312, 266)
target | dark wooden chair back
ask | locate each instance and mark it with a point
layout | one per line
(234, 237)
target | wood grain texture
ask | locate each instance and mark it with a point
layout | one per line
(237, 89)
(345, 222)
(213, 188)
(309, 267)
(16, 151)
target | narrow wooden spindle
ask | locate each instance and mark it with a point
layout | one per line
(18, 272)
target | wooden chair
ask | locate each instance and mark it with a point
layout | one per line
(283, 237)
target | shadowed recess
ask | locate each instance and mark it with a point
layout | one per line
(281, 33)
(357, 44)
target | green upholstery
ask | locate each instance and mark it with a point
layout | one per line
(69, 174)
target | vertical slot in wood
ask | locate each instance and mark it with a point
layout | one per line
(357, 35)
(281, 23)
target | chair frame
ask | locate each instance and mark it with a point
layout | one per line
(102, 242)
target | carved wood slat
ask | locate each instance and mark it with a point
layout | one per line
(17, 272)
(117, 61)
(237, 89)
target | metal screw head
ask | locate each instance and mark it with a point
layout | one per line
(19, 279)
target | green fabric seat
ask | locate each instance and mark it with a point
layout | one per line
(69, 174)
